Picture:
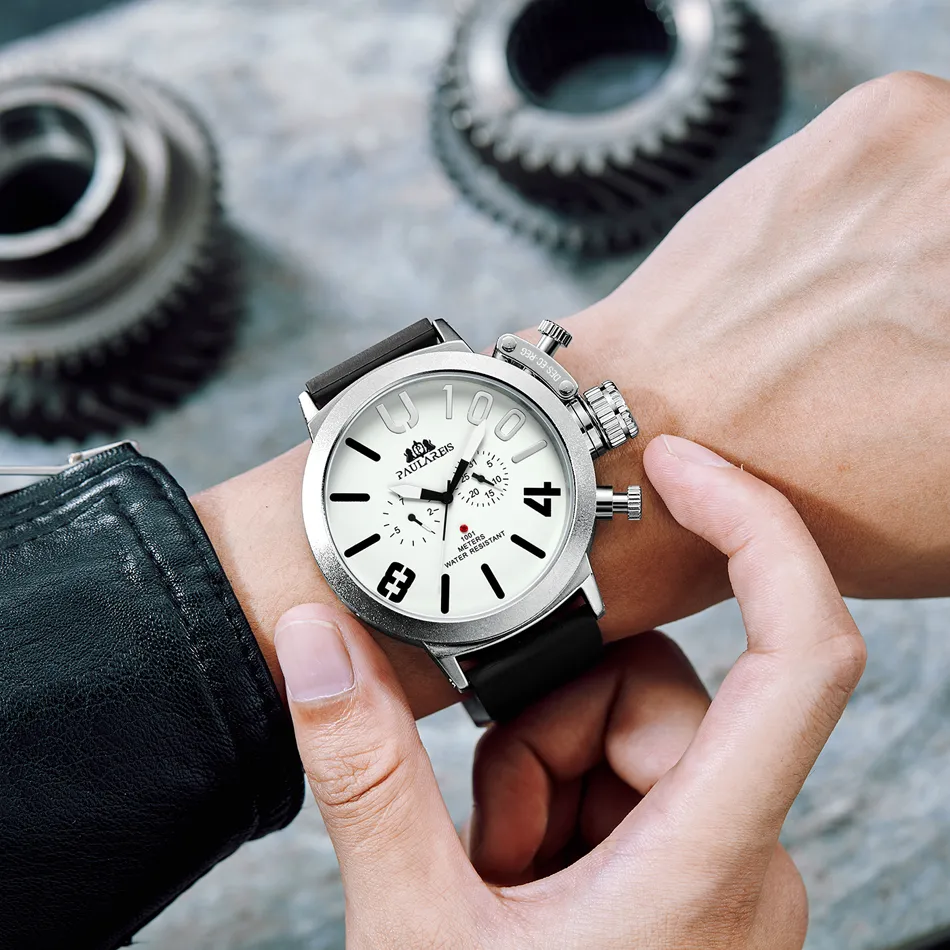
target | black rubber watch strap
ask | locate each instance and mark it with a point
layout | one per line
(416, 337)
(514, 674)
(142, 736)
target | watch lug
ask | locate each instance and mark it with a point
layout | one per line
(591, 592)
(309, 409)
(449, 663)
(587, 585)
(449, 336)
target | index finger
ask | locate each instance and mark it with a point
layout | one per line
(780, 702)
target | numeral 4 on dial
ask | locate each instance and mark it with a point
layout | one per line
(546, 493)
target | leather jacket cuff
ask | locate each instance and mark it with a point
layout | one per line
(142, 738)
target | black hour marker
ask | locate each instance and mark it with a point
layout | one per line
(361, 545)
(349, 496)
(445, 593)
(547, 492)
(493, 581)
(527, 545)
(363, 450)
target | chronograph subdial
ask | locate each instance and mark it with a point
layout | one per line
(412, 526)
(486, 481)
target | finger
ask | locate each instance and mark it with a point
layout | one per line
(607, 800)
(639, 708)
(780, 702)
(364, 759)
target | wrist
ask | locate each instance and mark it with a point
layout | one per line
(652, 572)
(255, 524)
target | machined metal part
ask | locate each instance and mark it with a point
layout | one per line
(553, 336)
(613, 419)
(610, 503)
(537, 358)
(568, 573)
(594, 126)
(118, 284)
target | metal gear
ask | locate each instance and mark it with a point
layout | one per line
(118, 282)
(595, 126)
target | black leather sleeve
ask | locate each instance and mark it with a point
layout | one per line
(415, 337)
(510, 676)
(141, 736)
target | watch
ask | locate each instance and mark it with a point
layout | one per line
(450, 501)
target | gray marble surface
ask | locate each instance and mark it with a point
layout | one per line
(351, 231)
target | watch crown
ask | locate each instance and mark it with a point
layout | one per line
(634, 503)
(610, 503)
(613, 419)
(553, 335)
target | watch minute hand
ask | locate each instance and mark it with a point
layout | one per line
(472, 445)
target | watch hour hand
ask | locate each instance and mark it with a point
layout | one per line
(416, 493)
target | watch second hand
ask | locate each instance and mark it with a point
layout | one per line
(445, 524)
(472, 444)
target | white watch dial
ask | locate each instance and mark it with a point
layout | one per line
(396, 530)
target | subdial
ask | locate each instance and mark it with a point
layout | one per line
(485, 482)
(412, 526)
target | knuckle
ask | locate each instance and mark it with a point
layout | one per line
(893, 108)
(355, 783)
(844, 657)
(914, 93)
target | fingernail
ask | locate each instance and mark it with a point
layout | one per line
(688, 451)
(312, 656)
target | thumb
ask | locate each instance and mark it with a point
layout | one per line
(364, 759)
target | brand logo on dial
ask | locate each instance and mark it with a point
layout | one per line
(418, 449)
(419, 454)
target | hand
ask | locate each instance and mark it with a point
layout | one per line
(696, 862)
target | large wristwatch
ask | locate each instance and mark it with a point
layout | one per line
(450, 501)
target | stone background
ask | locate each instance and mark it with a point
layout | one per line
(351, 231)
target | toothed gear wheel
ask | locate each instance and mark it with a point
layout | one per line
(594, 126)
(118, 282)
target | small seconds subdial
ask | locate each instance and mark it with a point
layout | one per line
(486, 481)
(412, 526)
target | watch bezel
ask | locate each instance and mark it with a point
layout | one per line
(550, 590)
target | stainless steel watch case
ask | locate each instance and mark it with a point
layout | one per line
(447, 641)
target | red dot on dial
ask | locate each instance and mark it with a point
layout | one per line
(463, 528)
